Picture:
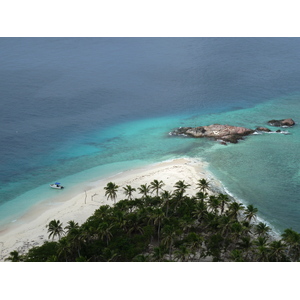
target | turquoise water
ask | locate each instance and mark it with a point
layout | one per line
(78, 109)
(262, 170)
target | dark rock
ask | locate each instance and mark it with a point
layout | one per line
(282, 123)
(227, 133)
(263, 129)
(288, 122)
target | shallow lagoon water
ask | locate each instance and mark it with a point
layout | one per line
(263, 170)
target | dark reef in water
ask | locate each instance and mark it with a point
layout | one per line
(282, 123)
(228, 133)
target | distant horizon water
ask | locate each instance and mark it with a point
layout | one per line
(78, 109)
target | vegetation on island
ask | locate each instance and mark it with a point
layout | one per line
(165, 226)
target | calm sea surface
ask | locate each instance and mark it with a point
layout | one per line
(75, 109)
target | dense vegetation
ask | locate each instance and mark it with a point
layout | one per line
(165, 226)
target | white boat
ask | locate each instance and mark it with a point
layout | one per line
(56, 185)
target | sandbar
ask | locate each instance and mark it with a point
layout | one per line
(30, 230)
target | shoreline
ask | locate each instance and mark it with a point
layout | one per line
(30, 229)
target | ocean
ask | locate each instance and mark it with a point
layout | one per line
(78, 109)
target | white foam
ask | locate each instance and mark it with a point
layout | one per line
(274, 233)
(280, 132)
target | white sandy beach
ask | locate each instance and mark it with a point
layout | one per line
(30, 230)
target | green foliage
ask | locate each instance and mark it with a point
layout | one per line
(55, 229)
(171, 227)
(144, 189)
(42, 253)
(203, 185)
(156, 186)
(128, 191)
(14, 256)
(111, 191)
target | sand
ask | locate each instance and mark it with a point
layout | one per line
(30, 230)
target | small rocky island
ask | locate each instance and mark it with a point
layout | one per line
(228, 133)
(282, 123)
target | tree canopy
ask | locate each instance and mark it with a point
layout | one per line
(166, 226)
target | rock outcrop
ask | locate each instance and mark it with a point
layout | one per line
(226, 133)
(282, 123)
(264, 129)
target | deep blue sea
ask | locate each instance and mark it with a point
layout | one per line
(76, 109)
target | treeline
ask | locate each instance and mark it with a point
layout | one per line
(165, 226)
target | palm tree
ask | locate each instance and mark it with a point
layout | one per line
(144, 189)
(236, 230)
(250, 213)
(199, 211)
(120, 219)
(156, 186)
(186, 223)
(246, 245)
(141, 258)
(262, 229)
(194, 241)
(158, 253)
(225, 225)
(277, 251)
(157, 216)
(137, 204)
(181, 187)
(236, 255)
(170, 233)
(109, 255)
(134, 224)
(224, 200)
(72, 225)
(102, 211)
(64, 248)
(82, 259)
(201, 196)
(111, 191)
(214, 246)
(105, 231)
(261, 241)
(55, 229)
(203, 185)
(128, 191)
(177, 199)
(88, 232)
(214, 204)
(166, 196)
(14, 256)
(292, 240)
(52, 258)
(123, 205)
(77, 237)
(262, 249)
(247, 227)
(234, 209)
(210, 222)
(182, 253)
